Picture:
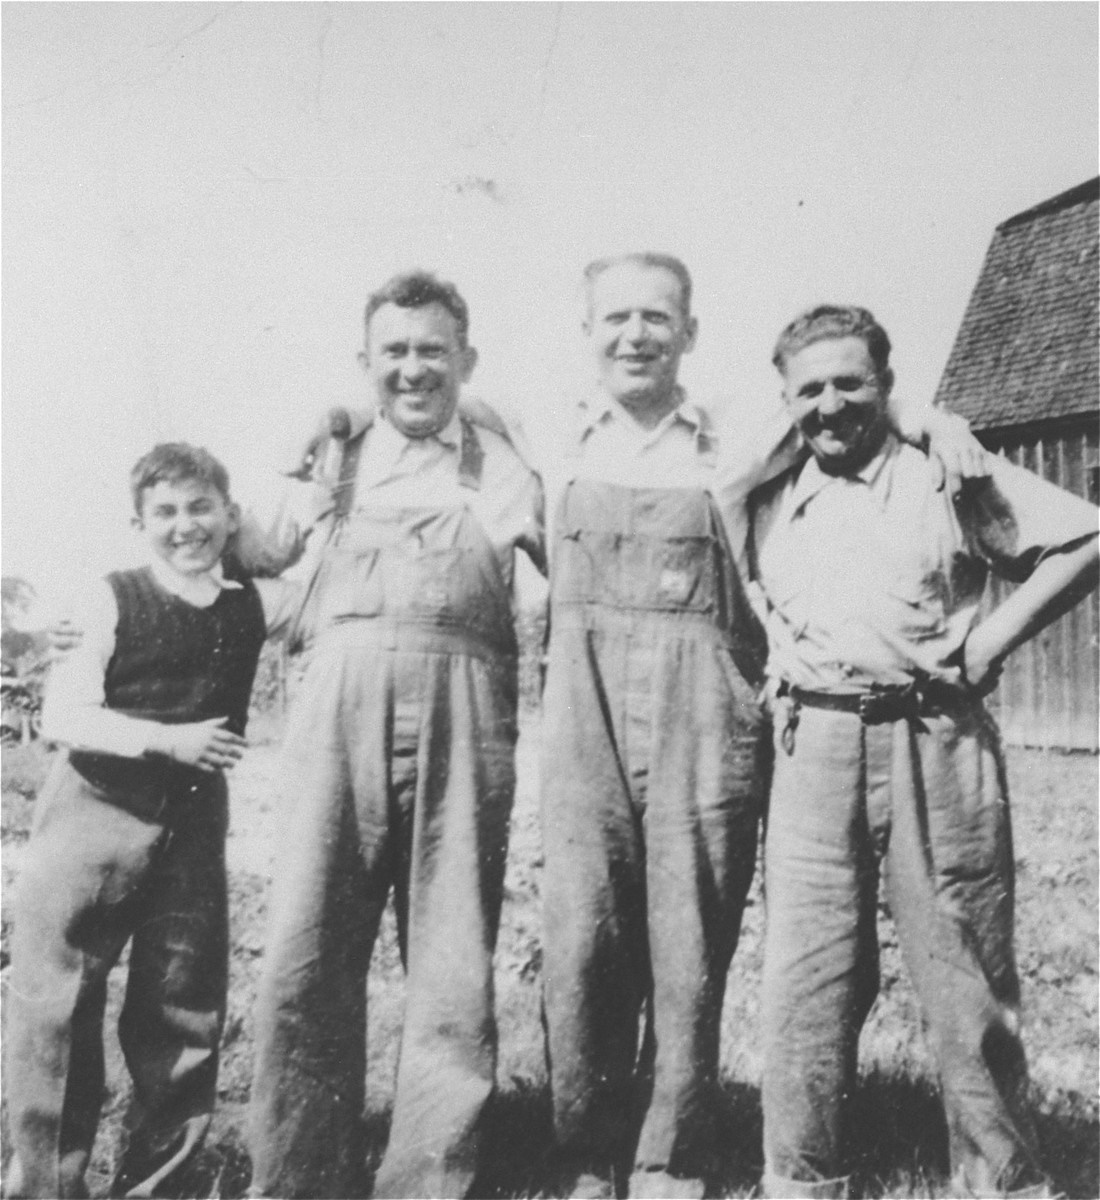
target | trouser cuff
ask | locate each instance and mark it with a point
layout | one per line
(777, 1187)
(1044, 1190)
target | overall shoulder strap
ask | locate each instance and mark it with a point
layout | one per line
(343, 491)
(471, 457)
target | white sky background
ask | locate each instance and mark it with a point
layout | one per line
(198, 197)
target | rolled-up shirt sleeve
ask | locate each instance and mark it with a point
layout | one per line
(1015, 519)
(73, 711)
(274, 532)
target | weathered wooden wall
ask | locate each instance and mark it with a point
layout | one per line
(1049, 695)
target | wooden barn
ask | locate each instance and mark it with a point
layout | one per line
(1023, 371)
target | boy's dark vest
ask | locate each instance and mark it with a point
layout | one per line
(175, 662)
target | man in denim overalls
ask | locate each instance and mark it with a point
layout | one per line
(654, 754)
(400, 769)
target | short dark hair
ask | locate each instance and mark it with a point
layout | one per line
(644, 258)
(415, 289)
(833, 321)
(174, 462)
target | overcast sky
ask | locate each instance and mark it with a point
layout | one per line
(198, 197)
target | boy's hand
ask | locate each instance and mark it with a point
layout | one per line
(954, 450)
(64, 635)
(207, 745)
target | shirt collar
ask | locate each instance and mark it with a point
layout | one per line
(206, 586)
(449, 435)
(600, 408)
(812, 480)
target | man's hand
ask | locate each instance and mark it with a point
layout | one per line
(207, 745)
(64, 635)
(954, 451)
(981, 668)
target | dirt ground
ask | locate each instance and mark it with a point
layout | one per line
(898, 1139)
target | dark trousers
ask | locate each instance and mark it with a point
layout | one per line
(96, 875)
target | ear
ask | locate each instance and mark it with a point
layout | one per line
(364, 359)
(468, 361)
(887, 381)
(233, 516)
(137, 522)
(691, 333)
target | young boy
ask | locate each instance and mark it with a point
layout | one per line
(128, 842)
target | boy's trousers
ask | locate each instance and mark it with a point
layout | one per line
(925, 800)
(653, 772)
(94, 876)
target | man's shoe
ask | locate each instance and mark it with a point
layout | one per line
(589, 1186)
(660, 1185)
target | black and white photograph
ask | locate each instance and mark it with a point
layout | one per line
(551, 640)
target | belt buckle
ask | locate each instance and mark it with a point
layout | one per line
(881, 705)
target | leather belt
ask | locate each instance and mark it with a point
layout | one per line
(874, 707)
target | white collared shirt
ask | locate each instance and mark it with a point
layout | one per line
(614, 448)
(876, 576)
(686, 449)
(73, 711)
(402, 472)
(395, 464)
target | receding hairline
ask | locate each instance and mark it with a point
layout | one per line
(647, 259)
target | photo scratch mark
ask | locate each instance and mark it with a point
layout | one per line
(545, 71)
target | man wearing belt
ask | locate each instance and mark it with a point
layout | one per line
(887, 760)
(654, 745)
(400, 766)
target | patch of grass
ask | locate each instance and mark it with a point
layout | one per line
(22, 772)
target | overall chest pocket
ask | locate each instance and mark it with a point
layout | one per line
(636, 571)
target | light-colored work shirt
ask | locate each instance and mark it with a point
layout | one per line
(395, 471)
(74, 711)
(877, 577)
(686, 449)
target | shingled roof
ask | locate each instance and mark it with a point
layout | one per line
(1027, 347)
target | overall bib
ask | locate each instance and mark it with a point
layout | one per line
(400, 766)
(654, 773)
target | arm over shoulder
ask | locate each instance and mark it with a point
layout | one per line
(1014, 519)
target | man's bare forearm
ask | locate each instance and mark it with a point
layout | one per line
(1058, 583)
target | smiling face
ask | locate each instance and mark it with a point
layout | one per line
(416, 365)
(638, 331)
(837, 399)
(187, 523)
